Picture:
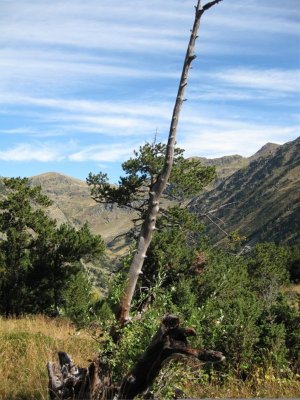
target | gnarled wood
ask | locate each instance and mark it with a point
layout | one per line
(95, 383)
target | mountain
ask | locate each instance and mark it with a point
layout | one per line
(228, 165)
(72, 203)
(260, 200)
(225, 166)
(267, 150)
(259, 196)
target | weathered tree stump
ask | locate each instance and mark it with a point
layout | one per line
(68, 381)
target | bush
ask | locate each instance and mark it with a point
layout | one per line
(79, 299)
(224, 301)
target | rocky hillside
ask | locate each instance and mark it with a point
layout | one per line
(262, 198)
(72, 203)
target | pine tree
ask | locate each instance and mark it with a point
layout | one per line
(37, 257)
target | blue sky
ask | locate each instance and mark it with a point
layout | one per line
(83, 83)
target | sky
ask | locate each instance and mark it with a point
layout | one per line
(84, 83)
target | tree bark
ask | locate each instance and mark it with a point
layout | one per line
(157, 189)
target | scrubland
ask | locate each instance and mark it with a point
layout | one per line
(27, 343)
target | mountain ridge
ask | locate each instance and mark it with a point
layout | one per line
(263, 202)
(266, 173)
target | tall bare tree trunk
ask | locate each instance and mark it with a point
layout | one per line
(157, 189)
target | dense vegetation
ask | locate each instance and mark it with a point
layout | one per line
(40, 262)
(239, 303)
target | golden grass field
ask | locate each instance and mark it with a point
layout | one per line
(28, 343)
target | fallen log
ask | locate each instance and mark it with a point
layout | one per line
(68, 381)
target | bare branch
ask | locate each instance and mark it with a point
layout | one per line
(222, 230)
(207, 6)
(217, 209)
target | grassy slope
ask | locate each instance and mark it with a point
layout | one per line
(27, 344)
(193, 382)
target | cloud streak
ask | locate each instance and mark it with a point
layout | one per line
(103, 154)
(274, 80)
(28, 152)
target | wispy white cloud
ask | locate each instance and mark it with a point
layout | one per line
(274, 80)
(210, 137)
(263, 19)
(61, 44)
(33, 71)
(104, 153)
(213, 137)
(113, 27)
(33, 132)
(88, 107)
(115, 118)
(134, 26)
(29, 152)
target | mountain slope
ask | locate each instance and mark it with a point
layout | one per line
(72, 203)
(263, 198)
(228, 165)
(263, 191)
(225, 166)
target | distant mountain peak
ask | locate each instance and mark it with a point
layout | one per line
(267, 150)
(50, 174)
(263, 198)
(55, 176)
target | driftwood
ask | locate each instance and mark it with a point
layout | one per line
(68, 381)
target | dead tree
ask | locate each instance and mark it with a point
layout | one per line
(157, 189)
(95, 382)
(68, 381)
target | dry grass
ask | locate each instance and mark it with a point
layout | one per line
(191, 381)
(276, 388)
(26, 344)
(296, 289)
